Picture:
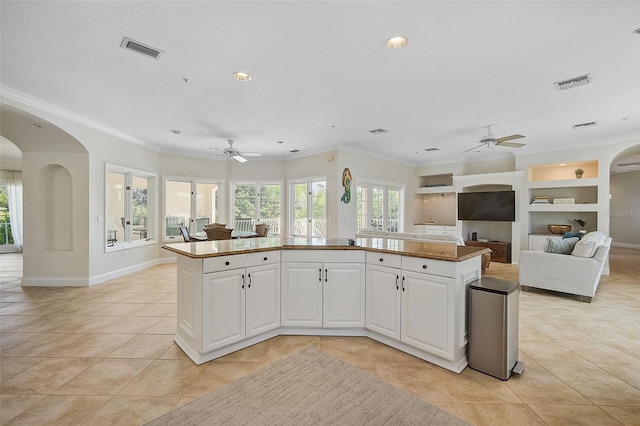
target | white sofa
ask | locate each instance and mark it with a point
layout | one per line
(576, 273)
(448, 238)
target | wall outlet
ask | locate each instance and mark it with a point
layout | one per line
(99, 218)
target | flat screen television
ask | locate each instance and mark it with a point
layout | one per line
(490, 206)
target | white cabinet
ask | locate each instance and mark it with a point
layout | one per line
(383, 300)
(240, 303)
(539, 242)
(327, 294)
(427, 313)
(301, 294)
(434, 229)
(414, 305)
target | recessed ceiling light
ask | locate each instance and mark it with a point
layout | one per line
(583, 125)
(378, 131)
(396, 42)
(242, 76)
(573, 82)
(186, 80)
(279, 142)
(176, 132)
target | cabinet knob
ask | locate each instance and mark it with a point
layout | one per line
(226, 263)
(424, 266)
(381, 259)
(265, 258)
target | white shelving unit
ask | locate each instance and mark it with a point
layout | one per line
(435, 184)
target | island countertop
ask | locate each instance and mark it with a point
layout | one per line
(429, 250)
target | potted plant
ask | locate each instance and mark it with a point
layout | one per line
(582, 224)
(579, 172)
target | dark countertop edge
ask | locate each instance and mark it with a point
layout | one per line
(433, 224)
(476, 251)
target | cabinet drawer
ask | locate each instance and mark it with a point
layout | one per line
(224, 263)
(429, 266)
(384, 259)
(337, 256)
(263, 258)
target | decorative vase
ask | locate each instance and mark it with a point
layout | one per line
(579, 176)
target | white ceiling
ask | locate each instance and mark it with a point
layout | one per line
(322, 76)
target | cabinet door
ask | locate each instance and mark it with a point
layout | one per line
(301, 287)
(262, 299)
(223, 309)
(343, 296)
(428, 313)
(383, 300)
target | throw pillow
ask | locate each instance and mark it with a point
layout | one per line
(584, 248)
(561, 246)
(577, 235)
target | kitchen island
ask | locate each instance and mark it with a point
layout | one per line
(410, 295)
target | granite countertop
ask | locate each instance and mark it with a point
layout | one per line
(428, 250)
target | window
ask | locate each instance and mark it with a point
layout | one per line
(257, 202)
(308, 207)
(379, 206)
(129, 207)
(189, 203)
(6, 238)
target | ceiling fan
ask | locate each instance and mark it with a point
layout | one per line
(232, 152)
(489, 141)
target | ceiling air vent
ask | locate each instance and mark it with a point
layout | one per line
(573, 82)
(378, 131)
(143, 49)
(432, 149)
(584, 125)
(293, 151)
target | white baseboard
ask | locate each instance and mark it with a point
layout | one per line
(54, 282)
(171, 259)
(121, 272)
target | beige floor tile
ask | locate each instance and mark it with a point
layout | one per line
(156, 310)
(95, 345)
(552, 353)
(125, 411)
(347, 348)
(144, 298)
(561, 415)
(629, 416)
(105, 377)
(537, 385)
(45, 377)
(12, 405)
(143, 346)
(381, 353)
(166, 325)
(257, 352)
(11, 366)
(216, 374)
(174, 352)
(132, 325)
(163, 378)
(494, 414)
(598, 386)
(61, 410)
(45, 345)
(473, 386)
(285, 345)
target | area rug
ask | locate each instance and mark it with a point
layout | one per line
(309, 387)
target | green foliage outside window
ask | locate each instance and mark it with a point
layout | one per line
(5, 230)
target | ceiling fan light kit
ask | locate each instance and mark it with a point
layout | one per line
(231, 152)
(489, 141)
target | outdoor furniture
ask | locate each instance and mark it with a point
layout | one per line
(262, 230)
(189, 238)
(218, 233)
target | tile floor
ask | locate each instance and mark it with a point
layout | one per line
(105, 355)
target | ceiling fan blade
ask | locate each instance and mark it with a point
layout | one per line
(251, 154)
(508, 138)
(239, 158)
(511, 144)
(473, 149)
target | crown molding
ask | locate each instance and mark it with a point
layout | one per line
(36, 103)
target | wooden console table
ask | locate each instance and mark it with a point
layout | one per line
(500, 252)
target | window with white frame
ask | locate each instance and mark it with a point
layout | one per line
(308, 201)
(130, 198)
(192, 203)
(257, 202)
(379, 206)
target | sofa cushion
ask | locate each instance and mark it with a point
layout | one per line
(561, 246)
(589, 244)
(577, 235)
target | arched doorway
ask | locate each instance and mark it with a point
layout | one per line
(624, 208)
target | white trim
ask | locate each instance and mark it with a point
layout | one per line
(72, 116)
(122, 272)
(54, 282)
(626, 245)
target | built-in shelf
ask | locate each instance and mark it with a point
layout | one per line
(586, 207)
(435, 184)
(562, 172)
(565, 183)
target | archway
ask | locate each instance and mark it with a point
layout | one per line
(624, 208)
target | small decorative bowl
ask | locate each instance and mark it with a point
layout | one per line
(559, 229)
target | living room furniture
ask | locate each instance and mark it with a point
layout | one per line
(500, 251)
(565, 273)
(538, 241)
(218, 233)
(188, 238)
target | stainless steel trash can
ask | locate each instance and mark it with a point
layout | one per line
(493, 327)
